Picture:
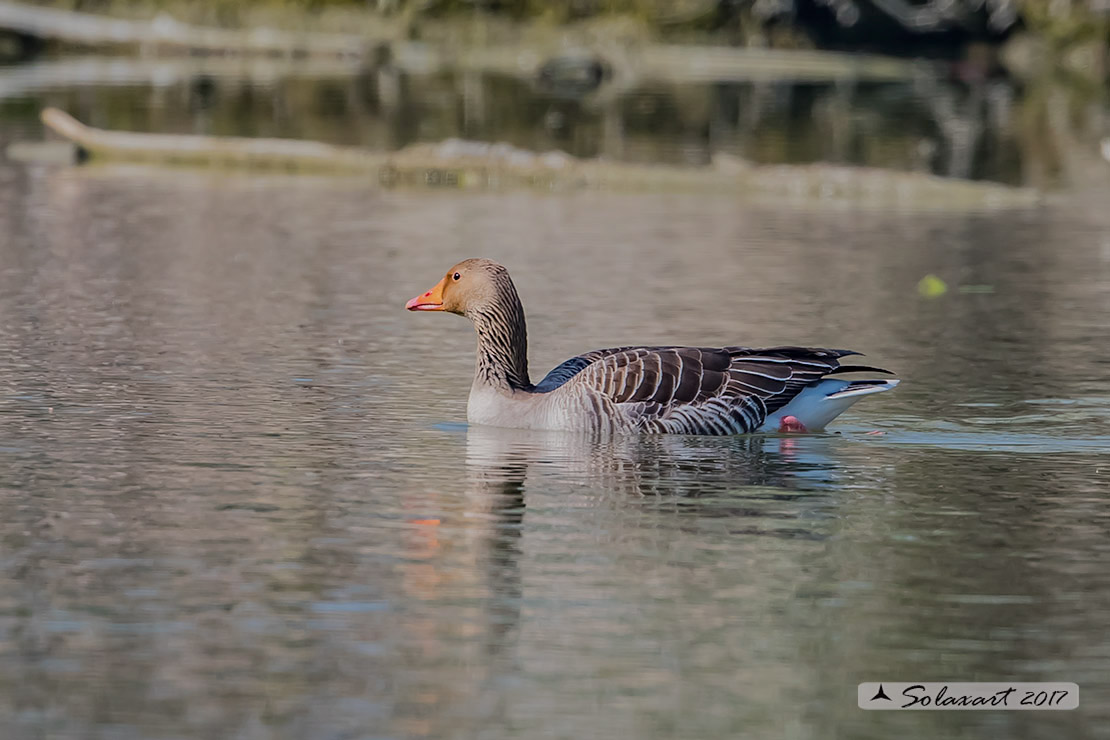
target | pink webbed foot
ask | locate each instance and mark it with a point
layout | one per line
(791, 425)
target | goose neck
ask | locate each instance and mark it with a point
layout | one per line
(502, 343)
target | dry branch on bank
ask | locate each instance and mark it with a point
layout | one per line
(164, 33)
(629, 62)
(475, 165)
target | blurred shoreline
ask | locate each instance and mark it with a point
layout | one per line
(1025, 107)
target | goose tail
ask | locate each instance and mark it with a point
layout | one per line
(822, 402)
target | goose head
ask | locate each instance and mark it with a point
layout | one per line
(470, 286)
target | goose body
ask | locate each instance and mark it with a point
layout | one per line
(669, 390)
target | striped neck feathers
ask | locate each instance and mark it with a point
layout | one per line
(502, 338)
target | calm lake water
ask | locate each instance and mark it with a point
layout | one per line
(240, 499)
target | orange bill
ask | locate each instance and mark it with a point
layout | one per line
(430, 301)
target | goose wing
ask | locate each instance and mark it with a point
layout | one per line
(697, 390)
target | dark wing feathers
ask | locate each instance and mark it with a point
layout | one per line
(567, 370)
(700, 390)
(858, 369)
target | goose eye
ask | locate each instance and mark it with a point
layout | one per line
(456, 276)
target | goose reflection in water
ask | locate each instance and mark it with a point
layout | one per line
(765, 486)
(548, 520)
(776, 486)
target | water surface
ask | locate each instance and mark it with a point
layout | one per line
(239, 497)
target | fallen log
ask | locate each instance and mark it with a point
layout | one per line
(476, 165)
(28, 79)
(210, 150)
(631, 62)
(163, 32)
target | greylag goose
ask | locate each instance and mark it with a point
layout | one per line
(669, 390)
